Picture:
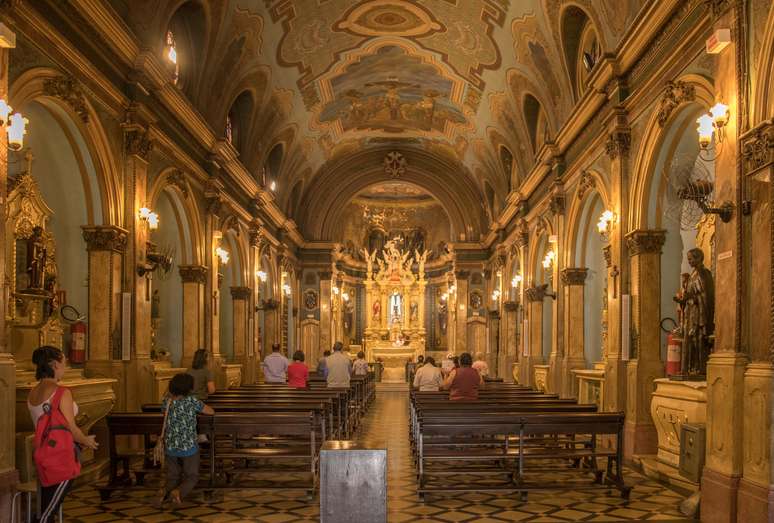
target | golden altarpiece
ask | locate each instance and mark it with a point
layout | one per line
(395, 308)
(33, 318)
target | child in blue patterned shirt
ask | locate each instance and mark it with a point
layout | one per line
(180, 438)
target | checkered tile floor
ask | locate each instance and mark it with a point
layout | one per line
(385, 425)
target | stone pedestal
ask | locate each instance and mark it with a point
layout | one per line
(516, 372)
(674, 403)
(540, 379)
(163, 372)
(231, 375)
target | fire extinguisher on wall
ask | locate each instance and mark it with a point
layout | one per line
(674, 344)
(77, 352)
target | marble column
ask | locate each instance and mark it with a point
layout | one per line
(140, 377)
(194, 281)
(510, 329)
(106, 245)
(617, 147)
(326, 334)
(574, 280)
(556, 357)
(645, 364)
(534, 356)
(461, 327)
(240, 297)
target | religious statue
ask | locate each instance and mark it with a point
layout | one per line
(376, 312)
(421, 258)
(442, 316)
(697, 315)
(414, 311)
(348, 315)
(369, 258)
(36, 259)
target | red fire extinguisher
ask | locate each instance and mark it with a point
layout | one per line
(674, 348)
(77, 334)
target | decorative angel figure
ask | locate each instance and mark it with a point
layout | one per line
(421, 258)
(369, 258)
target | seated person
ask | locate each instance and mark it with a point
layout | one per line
(298, 372)
(322, 365)
(428, 377)
(463, 383)
(481, 365)
(360, 365)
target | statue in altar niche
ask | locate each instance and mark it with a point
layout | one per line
(442, 316)
(414, 315)
(36, 259)
(396, 308)
(696, 300)
(376, 312)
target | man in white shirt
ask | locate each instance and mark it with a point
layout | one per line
(275, 366)
(339, 367)
(428, 376)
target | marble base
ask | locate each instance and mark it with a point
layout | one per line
(673, 404)
(719, 497)
(753, 503)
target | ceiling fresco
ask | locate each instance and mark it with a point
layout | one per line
(333, 78)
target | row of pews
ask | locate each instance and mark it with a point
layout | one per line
(257, 433)
(513, 439)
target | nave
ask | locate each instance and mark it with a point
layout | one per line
(385, 427)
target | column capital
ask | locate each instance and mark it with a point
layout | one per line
(240, 293)
(645, 241)
(105, 238)
(758, 148)
(193, 273)
(511, 305)
(574, 275)
(618, 143)
(536, 294)
(137, 142)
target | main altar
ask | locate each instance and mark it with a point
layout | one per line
(395, 308)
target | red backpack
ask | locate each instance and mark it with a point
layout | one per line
(55, 452)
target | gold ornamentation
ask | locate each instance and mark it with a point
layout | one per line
(758, 149)
(67, 89)
(536, 294)
(618, 144)
(606, 252)
(645, 241)
(193, 273)
(395, 164)
(675, 93)
(138, 143)
(105, 238)
(574, 275)
(177, 179)
(586, 183)
(240, 293)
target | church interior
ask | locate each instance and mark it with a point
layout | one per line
(576, 192)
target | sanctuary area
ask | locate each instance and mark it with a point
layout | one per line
(512, 255)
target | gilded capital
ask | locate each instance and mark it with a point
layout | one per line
(537, 293)
(758, 149)
(138, 143)
(574, 275)
(105, 238)
(511, 306)
(618, 144)
(193, 273)
(643, 241)
(240, 293)
(67, 89)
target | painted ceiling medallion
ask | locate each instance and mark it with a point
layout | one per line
(389, 18)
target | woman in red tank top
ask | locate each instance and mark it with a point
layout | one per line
(463, 383)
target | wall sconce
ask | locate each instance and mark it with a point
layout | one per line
(335, 290)
(712, 124)
(453, 289)
(16, 127)
(548, 261)
(495, 294)
(286, 289)
(605, 224)
(444, 296)
(345, 296)
(222, 254)
(262, 276)
(273, 186)
(150, 217)
(516, 280)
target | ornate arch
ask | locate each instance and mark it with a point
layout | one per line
(654, 138)
(591, 184)
(175, 184)
(763, 94)
(50, 88)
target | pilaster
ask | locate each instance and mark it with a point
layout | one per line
(326, 341)
(645, 364)
(194, 281)
(461, 328)
(534, 355)
(556, 357)
(574, 280)
(240, 296)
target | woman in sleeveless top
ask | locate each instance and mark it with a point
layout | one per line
(50, 368)
(463, 383)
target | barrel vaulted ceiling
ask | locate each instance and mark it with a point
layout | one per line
(341, 84)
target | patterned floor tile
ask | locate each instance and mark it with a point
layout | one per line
(385, 427)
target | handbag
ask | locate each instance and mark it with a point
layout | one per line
(158, 449)
(55, 454)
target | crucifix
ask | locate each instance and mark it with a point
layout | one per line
(614, 272)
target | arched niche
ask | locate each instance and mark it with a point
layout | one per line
(588, 246)
(273, 164)
(535, 120)
(655, 201)
(69, 182)
(186, 31)
(506, 160)
(580, 45)
(295, 198)
(233, 276)
(238, 121)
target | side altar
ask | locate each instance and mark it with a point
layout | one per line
(395, 308)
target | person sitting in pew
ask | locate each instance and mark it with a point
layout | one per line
(339, 367)
(360, 366)
(322, 367)
(428, 377)
(275, 366)
(181, 449)
(298, 372)
(204, 384)
(463, 383)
